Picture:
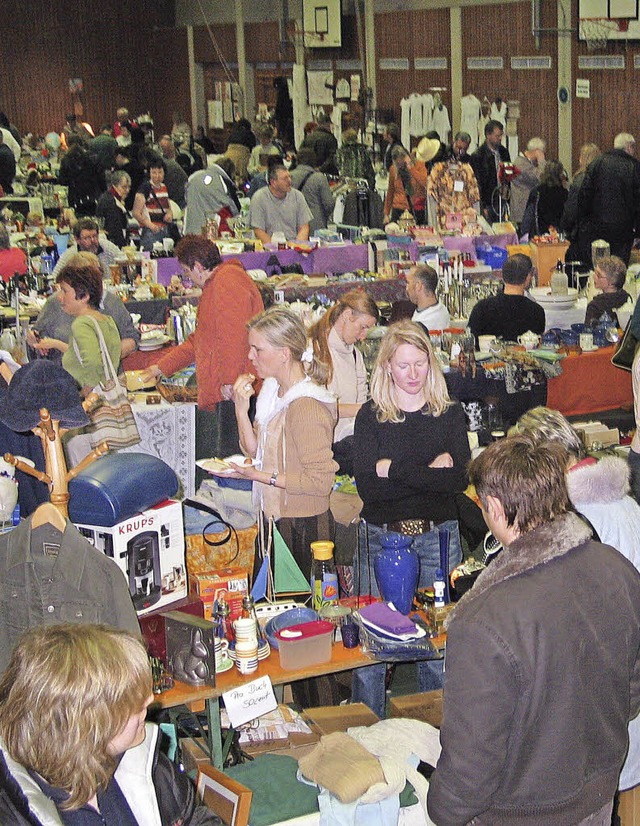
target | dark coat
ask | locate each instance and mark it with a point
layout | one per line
(543, 676)
(7, 168)
(325, 146)
(115, 219)
(484, 167)
(609, 203)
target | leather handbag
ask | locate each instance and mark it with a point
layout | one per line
(626, 349)
(112, 420)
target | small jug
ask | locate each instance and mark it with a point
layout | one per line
(529, 340)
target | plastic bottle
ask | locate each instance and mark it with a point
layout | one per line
(439, 589)
(324, 577)
(559, 280)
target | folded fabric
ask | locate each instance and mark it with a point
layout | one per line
(381, 617)
(234, 506)
(342, 766)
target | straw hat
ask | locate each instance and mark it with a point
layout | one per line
(427, 149)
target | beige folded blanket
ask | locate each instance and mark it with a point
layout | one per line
(342, 766)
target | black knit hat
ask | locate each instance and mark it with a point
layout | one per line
(41, 383)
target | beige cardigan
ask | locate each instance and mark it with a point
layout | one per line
(295, 434)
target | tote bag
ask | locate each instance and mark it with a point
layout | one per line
(112, 420)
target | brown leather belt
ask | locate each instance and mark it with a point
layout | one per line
(410, 527)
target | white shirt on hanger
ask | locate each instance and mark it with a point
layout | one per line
(441, 122)
(499, 113)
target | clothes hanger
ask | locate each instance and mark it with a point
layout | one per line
(47, 513)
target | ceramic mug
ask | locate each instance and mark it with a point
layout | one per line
(485, 343)
(245, 629)
(586, 341)
(473, 411)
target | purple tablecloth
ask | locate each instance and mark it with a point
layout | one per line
(324, 259)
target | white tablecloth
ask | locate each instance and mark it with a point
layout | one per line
(168, 431)
(575, 315)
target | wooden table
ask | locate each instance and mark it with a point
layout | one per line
(195, 698)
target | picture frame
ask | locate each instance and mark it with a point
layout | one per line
(227, 798)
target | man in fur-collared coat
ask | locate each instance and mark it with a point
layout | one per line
(543, 666)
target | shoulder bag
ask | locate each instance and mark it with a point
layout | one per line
(626, 349)
(112, 420)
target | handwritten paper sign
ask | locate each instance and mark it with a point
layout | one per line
(249, 701)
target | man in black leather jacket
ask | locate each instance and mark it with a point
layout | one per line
(485, 161)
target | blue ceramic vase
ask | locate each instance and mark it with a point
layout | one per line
(396, 568)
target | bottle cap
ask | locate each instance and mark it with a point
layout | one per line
(439, 575)
(322, 549)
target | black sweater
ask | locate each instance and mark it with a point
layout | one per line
(413, 490)
(507, 316)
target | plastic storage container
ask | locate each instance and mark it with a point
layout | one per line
(306, 644)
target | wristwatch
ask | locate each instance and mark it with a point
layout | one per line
(274, 476)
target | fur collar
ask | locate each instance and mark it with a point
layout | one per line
(606, 481)
(269, 404)
(547, 542)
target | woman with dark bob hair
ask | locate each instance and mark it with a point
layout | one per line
(80, 292)
(74, 746)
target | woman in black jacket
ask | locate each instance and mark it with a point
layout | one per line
(112, 210)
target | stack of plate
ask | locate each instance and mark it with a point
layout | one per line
(153, 341)
(546, 298)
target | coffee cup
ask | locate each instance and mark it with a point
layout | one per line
(586, 341)
(246, 656)
(245, 629)
(485, 343)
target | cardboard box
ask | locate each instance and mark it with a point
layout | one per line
(231, 584)
(321, 720)
(545, 258)
(149, 549)
(597, 434)
(425, 706)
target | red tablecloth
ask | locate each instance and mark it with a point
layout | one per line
(589, 383)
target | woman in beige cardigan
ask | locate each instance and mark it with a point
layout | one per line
(292, 434)
(334, 337)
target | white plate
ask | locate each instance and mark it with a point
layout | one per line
(225, 665)
(149, 344)
(543, 295)
(222, 466)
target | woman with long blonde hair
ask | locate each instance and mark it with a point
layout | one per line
(410, 453)
(292, 432)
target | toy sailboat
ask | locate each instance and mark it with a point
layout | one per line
(285, 579)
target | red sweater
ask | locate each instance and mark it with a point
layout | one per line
(219, 347)
(12, 261)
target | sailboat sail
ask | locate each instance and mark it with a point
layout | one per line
(288, 579)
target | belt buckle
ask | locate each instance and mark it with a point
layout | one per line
(412, 527)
